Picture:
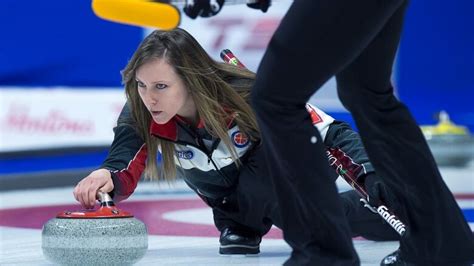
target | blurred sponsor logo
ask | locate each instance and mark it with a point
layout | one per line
(43, 118)
(19, 118)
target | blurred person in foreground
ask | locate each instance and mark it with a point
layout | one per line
(355, 41)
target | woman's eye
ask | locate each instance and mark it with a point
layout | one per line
(161, 86)
(140, 84)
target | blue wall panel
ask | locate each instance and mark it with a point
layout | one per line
(436, 60)
(57, 42)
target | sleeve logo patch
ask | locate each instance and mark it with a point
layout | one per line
(239, 139)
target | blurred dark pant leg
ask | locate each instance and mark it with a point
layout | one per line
(315, 40)
(438, 231)
(252, 206)
(222, 221)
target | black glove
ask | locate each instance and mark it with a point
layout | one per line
(202, 8)
(379, 193)
(259, 4)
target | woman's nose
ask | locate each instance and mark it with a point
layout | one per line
(151, 98)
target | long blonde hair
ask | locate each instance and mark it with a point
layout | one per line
(209, 83)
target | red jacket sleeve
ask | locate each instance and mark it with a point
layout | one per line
(125, 180)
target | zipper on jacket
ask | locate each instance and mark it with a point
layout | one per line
(209, 159)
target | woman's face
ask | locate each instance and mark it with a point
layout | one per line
(163, 92)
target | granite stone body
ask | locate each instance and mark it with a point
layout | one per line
(104, 241)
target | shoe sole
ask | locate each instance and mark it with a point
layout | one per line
(239, 250)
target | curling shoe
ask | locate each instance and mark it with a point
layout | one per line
(395, 259)
(233, 242)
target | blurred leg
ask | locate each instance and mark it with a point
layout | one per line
(315, 40)
(438, 232)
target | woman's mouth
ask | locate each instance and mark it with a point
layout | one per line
(155, 112)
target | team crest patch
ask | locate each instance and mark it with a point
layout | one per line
(239, 139)
(187, 155)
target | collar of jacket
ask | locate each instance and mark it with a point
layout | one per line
(169, 130)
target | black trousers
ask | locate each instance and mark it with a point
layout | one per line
(356, 41)
(258, 219)
(253, 207)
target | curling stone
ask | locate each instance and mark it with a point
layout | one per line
(106, 236)
(451, 144)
